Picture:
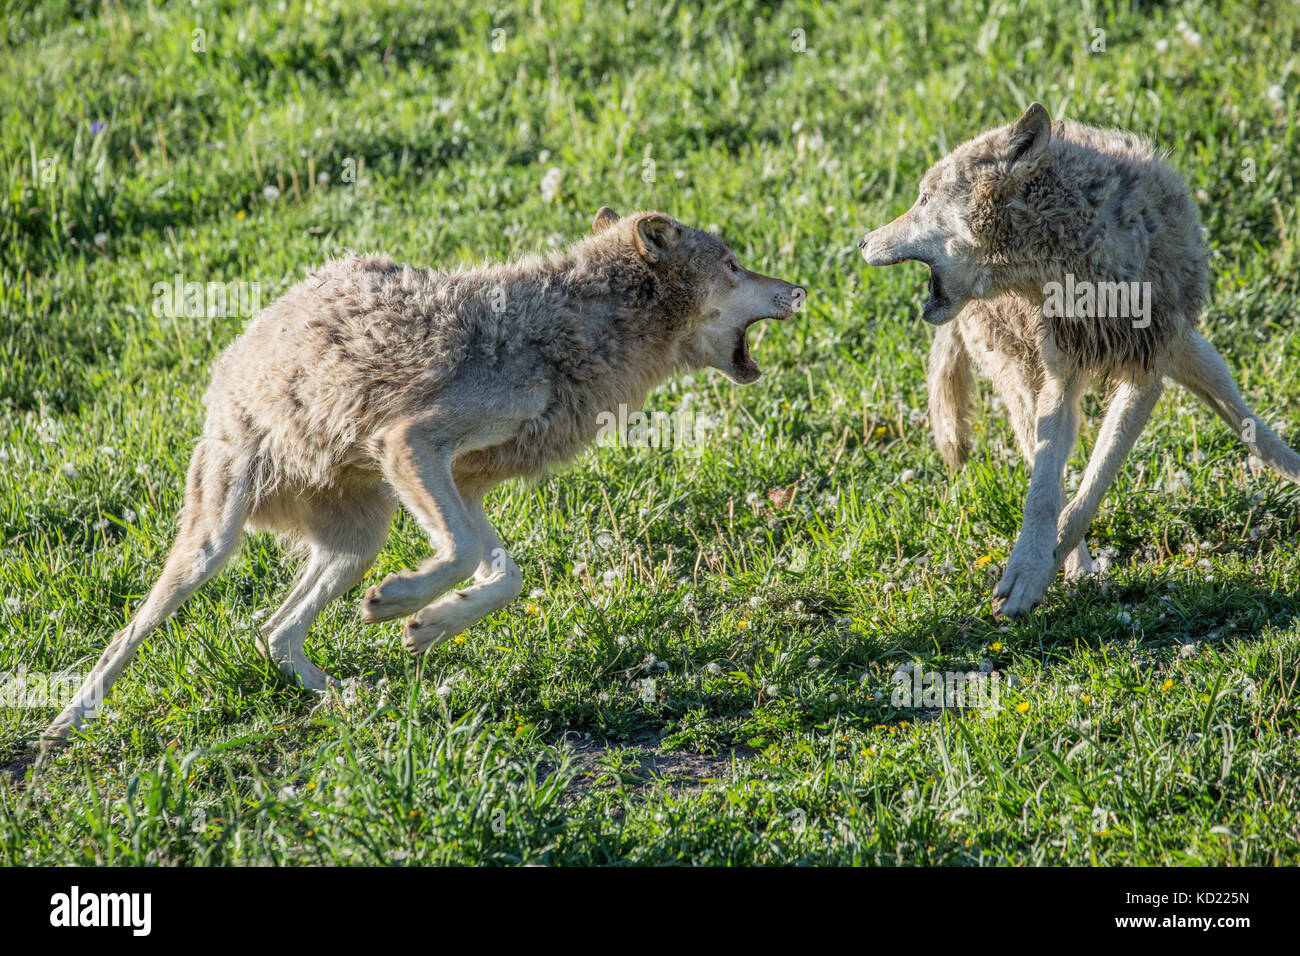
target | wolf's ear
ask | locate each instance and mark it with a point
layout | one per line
(656, 235)
(1027, 139)
(605, 217)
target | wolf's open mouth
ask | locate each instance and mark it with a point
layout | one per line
(743, 366)
(938, 305)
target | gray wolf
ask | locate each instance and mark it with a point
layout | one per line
(1062, 256)
(371, 384)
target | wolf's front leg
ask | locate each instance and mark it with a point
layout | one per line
(497, 582)
(1127, 413)
(419, 470)
(1032, 564)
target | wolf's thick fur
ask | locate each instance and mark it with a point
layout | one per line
(370, 384)
(999, 221)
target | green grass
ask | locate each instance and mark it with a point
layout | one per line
(1154, 714)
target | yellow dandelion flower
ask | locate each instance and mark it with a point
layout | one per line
(879, 432)
(532, 609)
(741, 625)
(982, 560)
(1086, 698)
(459, 639)
(240, 214)
(1167, 685)
(1022, 707)
(995, 646)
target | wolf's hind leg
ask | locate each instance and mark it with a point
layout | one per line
(344, 541)
(497, 582)
(1202, 370)
(212, 519)
(419, 471)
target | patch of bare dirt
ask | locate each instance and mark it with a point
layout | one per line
(641, 762)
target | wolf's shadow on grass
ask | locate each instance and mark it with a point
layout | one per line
(1148, 613)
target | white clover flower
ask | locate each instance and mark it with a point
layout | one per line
(814, 663)
(322, 178)
(443, 691)
(1188, 35)
(907, 474)
(622, 640)
(551, 183)
(536, 593)
(1275, 93)
(12, 604)
(1162, 46)
(101, 240)
(609, 578)
(1188, 650)
(580, 569)
(270, 193)
(69, 471)
(771, 690)
(714, 669)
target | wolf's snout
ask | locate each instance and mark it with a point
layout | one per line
(875, 249)
(790, 300)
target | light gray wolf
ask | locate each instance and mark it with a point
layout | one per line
(371, 384)
(1062, 256)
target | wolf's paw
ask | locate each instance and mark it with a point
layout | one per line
(1021, 589)
(297, 669)
(393, 597)
(429, 628)
(1079, 564)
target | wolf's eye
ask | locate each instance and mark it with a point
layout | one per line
(923, 199)
(733, 265)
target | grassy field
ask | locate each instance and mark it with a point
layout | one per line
(702, 669)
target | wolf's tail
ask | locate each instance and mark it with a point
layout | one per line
(1203, 371)
(950, 384)
(216, 505)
